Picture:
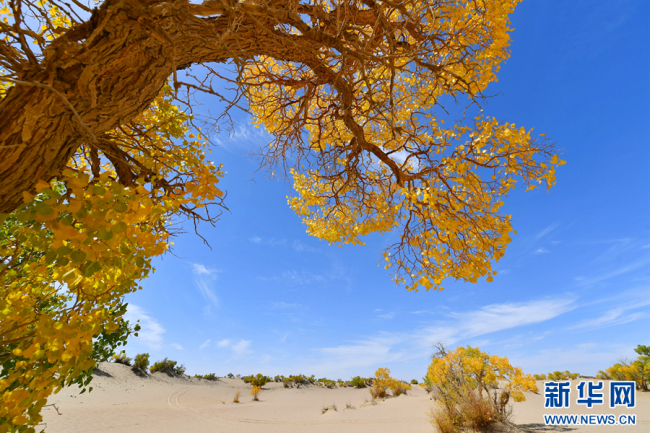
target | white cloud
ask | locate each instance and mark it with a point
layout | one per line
(402, 347)
(300, 247)
(544, 232)
(255, 239)
(620, 314)
(204, 279)
(238, 349)
(223, 343)
(241, 347)
(284, 305)
(293, 278)
(387, 315)
(620, 271)
(541, 251)
(176, 346)
(204, 345)
(151, 331)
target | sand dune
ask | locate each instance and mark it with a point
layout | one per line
(124, 402)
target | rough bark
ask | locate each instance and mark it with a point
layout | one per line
(104, 72)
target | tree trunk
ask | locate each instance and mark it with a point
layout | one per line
(104, 72)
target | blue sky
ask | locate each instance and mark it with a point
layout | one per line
(572, 291)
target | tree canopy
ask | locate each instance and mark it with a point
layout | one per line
(100, 156)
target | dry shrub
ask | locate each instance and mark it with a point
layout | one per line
(398, 388)
(464, 403)
(473, 412)
(255, 392)
(121, 358)
(331, 407)
(377, 391)
(443, 422)
(348, 405)
(236, 399)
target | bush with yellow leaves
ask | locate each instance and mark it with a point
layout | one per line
(637, 371)
(384, 382)
(462, 380)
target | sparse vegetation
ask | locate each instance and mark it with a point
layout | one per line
(426, 384)
(414, 382)
(331, 407)
(167, 366)
(255, 392)
(121, 358)
(210, 376)
(231, 376)
(637, 371)
(383, 382)
(462, 380)
(257, 380)
(558, 375)
(360, 382)
(348, 406)
(236, 398)
(141, 363)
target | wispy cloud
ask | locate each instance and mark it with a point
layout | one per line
(295, 278)
(244, 135)
(387, 315)
(616, 272)
(620, 311)
(541, 251)
(239, 349)
(255, 239)
(284, 305)
(401, 347)
(204, 345)
(302, 248)
(204, 279)
(176, 346)
(544, 232)
(151, 331)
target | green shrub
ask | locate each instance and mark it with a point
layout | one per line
(167, 366)
(121, 358)
(414, 382)
(259, 380)
(141, 362)
(210, 376)
(231, 376)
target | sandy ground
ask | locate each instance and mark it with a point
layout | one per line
(124, 402)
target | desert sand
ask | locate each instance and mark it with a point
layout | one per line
(124, 402)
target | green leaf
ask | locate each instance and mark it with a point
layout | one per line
(98, 190)
(78, 256)
(50, 256)
(120, 207)
(120, 227)
(43, 209)
(63, 251)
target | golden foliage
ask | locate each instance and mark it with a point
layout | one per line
(462, 380)
(383, 382)
(255, 392)
(351, 112)
(637, 371)
(479, 371)
(71, 252)
(375, 157)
